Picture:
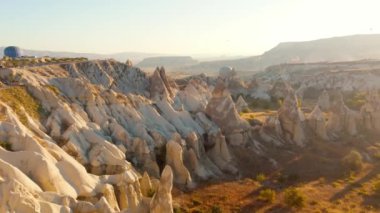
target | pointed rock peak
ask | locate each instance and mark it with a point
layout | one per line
(324, 101)
(129, 63)
(220, 89)
(145, 185)
(290, 100)
(162, 201)
(316, 113)
(337, 102)
(159, 85)
(166, 179)
(281, 83)
(241, 102)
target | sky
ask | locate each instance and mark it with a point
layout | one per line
(180, 27)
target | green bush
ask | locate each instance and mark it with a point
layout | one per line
(267, 195)
(261, 177)
(294, 198)
(353, 161)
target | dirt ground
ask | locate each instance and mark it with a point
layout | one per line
(316, 171)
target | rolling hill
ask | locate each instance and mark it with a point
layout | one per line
(346, 48)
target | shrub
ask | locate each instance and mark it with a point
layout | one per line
(261, 177)
(6, 145)
(245, 110)
(267, 195)
(196, 202)
(353, 160)
(376, 187)
(294, 198)
(151, 192)
(216, 209)
(178, 210)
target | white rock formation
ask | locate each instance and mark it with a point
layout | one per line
(94, 112)
(222, 111)
(324, 101)
(195, 96)
(370, 112)
(241, 104)
(162, 200)
(159, 85)
(174, 159)
(341, 118)
(292, 120)
(317, 123)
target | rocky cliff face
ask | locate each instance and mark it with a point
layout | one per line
(78, 136)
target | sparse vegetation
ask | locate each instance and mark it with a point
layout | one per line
(267, 195)
(353, 161)
(177, 209)
(54, 89)
(18, 98)
(6, 145)
(247, 116)
(294, 198)
(376, 187)
(216, 209)
(151, 192)
(30, 61)
(196, 202)
(264, 104)
(355, 100)
(261, 177)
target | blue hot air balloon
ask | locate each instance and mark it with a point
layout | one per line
(13, 52)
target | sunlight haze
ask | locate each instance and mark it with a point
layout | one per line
(241, 27)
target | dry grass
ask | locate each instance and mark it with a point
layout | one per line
(322, 181)
(261, 116)
(21, 102)
(54, 89)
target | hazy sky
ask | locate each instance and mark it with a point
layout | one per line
(230, 27)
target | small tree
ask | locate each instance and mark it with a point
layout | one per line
(294, 198)
(353, 161)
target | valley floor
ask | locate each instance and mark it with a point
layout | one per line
(317, 174)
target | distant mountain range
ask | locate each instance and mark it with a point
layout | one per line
(168, 61)
(345, 48)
